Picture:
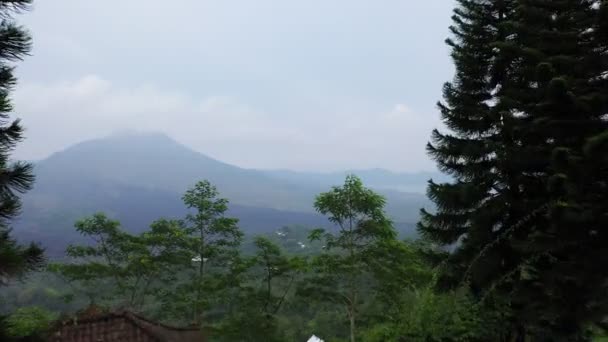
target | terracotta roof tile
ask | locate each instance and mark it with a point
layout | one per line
(92, 325)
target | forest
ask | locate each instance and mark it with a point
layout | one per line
(514, 248)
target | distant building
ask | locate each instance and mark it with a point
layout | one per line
(95, 326)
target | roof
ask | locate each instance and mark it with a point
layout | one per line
(125, 326)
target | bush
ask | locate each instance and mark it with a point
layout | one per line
(29, 322)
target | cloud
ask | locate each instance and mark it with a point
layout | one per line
(312, 84)
(341, 136)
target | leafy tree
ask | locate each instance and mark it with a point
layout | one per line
(432, 316)
(119, 268)
(276, 268)
(185, 267)
(363, 226)
(159, 260)
(272, 275)
(398, 268)
(100, 263)
(411, 309)
(15, 177)
(212, 240)
(32, 323)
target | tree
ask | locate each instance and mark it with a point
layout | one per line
(15, 177)
(271, 276)
(30, 324)
(160, 263)
(95, 266)
(398, 267)
(276, 267)
(431, 316)
(558, 86)
(530, 90)
(188, 267)
(121, 269)
(479, 208)
(474, 204)
(212, 241)
(362, 225)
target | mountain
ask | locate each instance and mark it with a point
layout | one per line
(154, 161)
(138, 178)
(375, 178)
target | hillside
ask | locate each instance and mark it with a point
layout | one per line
(138, 178)
(154, 161)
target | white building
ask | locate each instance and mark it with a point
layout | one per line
(314, 338)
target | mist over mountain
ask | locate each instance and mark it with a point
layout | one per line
(138, 178)
(375, 178)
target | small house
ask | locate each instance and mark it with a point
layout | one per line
(124, 326)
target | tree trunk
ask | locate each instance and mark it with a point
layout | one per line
(351, 316)
(198, 319)
(519, 335)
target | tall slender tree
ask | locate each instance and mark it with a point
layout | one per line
(213, 241)
(471, 210)
(363, 228)
(15, 177)
(478, 210)
(523, 214)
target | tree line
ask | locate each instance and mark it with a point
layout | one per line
(195, 271)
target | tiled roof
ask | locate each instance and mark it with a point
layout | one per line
(120, 327)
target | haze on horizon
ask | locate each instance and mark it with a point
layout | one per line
(303, 85)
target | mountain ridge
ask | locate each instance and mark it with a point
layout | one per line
(139, 178)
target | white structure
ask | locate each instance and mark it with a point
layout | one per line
(314, 338)
(198, 259)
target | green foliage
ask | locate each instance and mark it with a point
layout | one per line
(356, 282)
(17, 260)
(526, 210)
(363, 228)
(126, 263)
(431, 316)
(212, 241)
(276, 267)
(29, 322)
(15, 177)
(176, 270)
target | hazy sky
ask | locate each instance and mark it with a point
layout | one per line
(298, 84)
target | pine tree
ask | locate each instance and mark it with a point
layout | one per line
(529, 221)
(471, 210)
(561, 103)
(570, 113)
(15, 177)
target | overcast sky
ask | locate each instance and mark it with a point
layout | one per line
(298, 84)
